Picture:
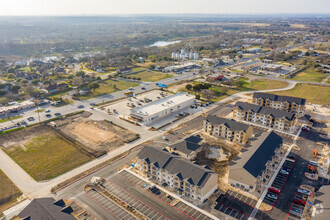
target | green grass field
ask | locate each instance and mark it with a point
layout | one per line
(8, 192)
(309, 75)
(109, 86)
(2, 120)
(262, 84)
(247, 85)
(151, 76)
(312, 93)
(47, 156)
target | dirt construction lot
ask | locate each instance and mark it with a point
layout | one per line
(97, 136)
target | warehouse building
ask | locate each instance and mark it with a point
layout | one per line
(163, 107)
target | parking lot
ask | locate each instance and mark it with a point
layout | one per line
(280, 180)
(297, 207)
(80, 213)
(114, 209)
(242, 198)
(163, 197)
(123, 107)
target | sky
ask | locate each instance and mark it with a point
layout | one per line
(115, 7)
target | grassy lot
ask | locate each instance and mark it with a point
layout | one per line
(47, 156)
(247, 85)
(109, 86)
(312, 93)
(58, 95)
(8, 192)
(309, 75)
(40, 110)
(2, 120)
(262, 84)
(138, 69)
(151, 76)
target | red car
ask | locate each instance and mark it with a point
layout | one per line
(299, 201)
(274, 190)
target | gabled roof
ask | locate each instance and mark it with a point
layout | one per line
(247, 167)
(273, 97)
(46, 208)
(229, 123)
(276, 113)
(186, 147)
(183, 169)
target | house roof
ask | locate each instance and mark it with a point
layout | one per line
(273, 97)
(185, 170)
(186, 147)
(276, 113)
(47, 208)
(229, 123)
(252, 162)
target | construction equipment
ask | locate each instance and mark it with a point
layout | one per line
(316, 152)
(311, 168)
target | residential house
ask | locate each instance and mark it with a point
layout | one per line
(228, 129)
(182, 176)
(269, 117)
(286, 103)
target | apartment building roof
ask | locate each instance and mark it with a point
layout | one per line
(47, 208)
(173, 164)
(252, 162)
(229, 123)
(276, 113)
(185, 147)
(273, 97)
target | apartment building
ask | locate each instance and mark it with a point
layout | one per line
(246, 170)
(230, 130)
(265, 116)
(285, 103)
(182, 176)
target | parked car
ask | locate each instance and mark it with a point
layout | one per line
(58, 114)
(274, 190)
(284, 172)
(300, 202)
(304, 191)
(306, 128)
(48, 115)
(80, 106)
(47, 111)
(144, 88)
(271, 196)
(30, 118)
(92, 104)
(130, 88)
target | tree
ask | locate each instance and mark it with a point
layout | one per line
(98, 78)
(35, 81)
(11, 76)
(94, 86)
(2, 92)
(15, 88)
(188, 86)
(198, 96)
(152, 66)
(11, 70)
(81, 73)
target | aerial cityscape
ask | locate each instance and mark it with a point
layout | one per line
(164, 110)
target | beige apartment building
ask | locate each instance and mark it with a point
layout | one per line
(269, 117)
(230, 130)
(183, 177)
(285, 103)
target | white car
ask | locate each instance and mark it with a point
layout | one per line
(271, 196)
(304, 191)
(284, 172)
